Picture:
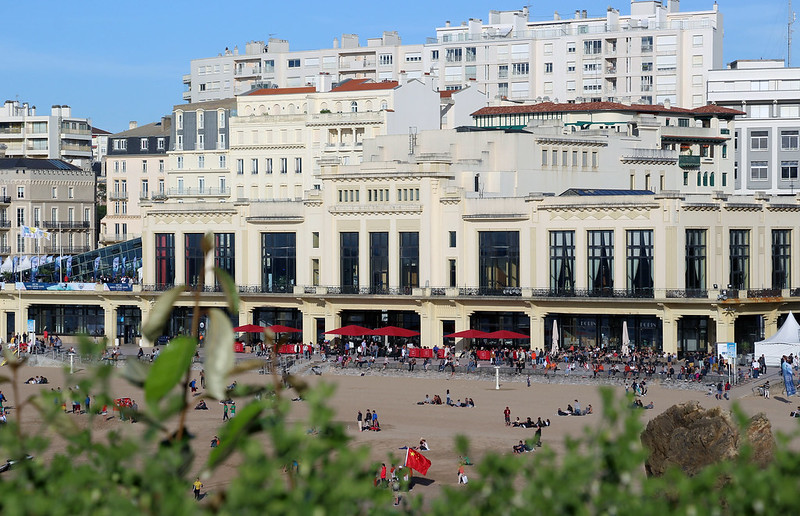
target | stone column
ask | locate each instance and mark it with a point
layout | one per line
(537, 316)
(771, 323)
(669, 330)
(109, 321)
(726, 319)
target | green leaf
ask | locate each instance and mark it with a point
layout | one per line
(160, 313)
(135, 372)
(229, 287)
(219, 352)
(168, 369)
(236, 429)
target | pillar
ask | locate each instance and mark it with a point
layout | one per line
(726, 323)
(146, 307)
(109, 321)
(771, 323)
(537, 317)
(669, 331)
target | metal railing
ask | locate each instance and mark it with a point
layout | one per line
(763, 292)
(55, 224)
(5, 199)
(198, 191)
(5, 224)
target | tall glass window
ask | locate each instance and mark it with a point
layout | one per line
(278, 262)
(409, 259)
(498, 259)
(640, 262)
(224, 254)
(348, 261)
(696, 259)
(740, 259)
(194, 265)
(601, 261)
(562, 261)
(379, 261)
(781, 258)
(165, 259)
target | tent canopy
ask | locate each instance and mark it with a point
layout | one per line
(785, 342)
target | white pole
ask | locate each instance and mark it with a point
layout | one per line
(497, 377)
(71, 357)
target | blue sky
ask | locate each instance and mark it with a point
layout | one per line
(120, 61)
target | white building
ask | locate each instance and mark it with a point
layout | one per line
(768, 136)
(654, 54)
(58, 135)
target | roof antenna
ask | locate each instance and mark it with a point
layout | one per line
(789, 30)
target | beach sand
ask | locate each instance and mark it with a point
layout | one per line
(404, 423)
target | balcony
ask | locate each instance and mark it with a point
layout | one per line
(110, 238)
(199, 192)
(368, 64)
(118, 196)
(187, 78)
(686, 161)
(159, 196)
(247, 72)
(187, 95)
(5, 199)
(283, 288)
(66, 224)
(5, 224)
(5, 249)
(65, 250)
(5, 131)
(687, 294)
(764, 293)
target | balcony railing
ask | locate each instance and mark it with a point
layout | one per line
(118, 237)
(687, 294)
(5, 224)
(198, 192)
(118, 196)
(158, 287)
(283, 288)
(5, 249)
(57, 224)
(763, 292)
(64, 250)
(5, 199)
(685, 161)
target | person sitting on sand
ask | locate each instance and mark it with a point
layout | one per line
(215, 442)
(427, 400)
(539, 422)
(649, 405)
(588, 410)
(562, 413)
(516, 423)
(437, 400)
(201, 406)
(528, 423)
(423, 445)
(470, 403)
(795, 413)
(570, 409)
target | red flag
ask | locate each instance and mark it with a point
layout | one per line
(416, 460)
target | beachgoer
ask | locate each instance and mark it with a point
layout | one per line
(507, 416)
(359, 420)
(196, 486)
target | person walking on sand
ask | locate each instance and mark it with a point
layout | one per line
(233, 409)
(507, 415)
(196, 487)
(202, 380)
(224, 411)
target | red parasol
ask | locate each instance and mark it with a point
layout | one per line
(350, 331)
(468, 334)
(505, 334)
(394, 331)
(249, 328)
(279, 328)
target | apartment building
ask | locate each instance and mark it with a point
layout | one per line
(767, 144)
(652, 55)
(135, 170)
(273, 65)
(58, 135)
(50, 194)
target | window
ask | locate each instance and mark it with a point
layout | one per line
(165, 258)
(71, 192)
(570, 66)
(601, 261)
(268, 167)
(54, 192)
(498, 259)
(759, 85)
(143, 144)
(666, 63)
(284, 166)
(385, 59)
(781, 258)
(315, 239)
(639, 266)
(647, 66)
(144, 189)
(434, 55)
(221, 119)
(470, 73)
(548, 49)
(161, 165)
(520, 68)
(472, 54)
(179, 142)
(697, 40)
(124, 166)
(695, 259)
(759, 140)
(221, 140)
(453, 55)
(224, 254)
(201, 162)
(413, 57)
(222, 161)
(544, 157)
(591, 67)
(144, 166)
(592, 46)
(379, 261)
(201, 141)
(279, 262)
(348, 262)
(87, 215)
(571, 47)
(180, 162)
(740, 259)
(254, 166)
(502, 71)
(409, 259)
(790, 140)
(790, 111)
(647, 43)
(293, 63)
(758, 170)
(570, 85)
(683, 122)
(315, 272)
(548, 68)
(21, 217)
(121, 144)
(789, 170)
(759, 111)
(452, 73)
(240, 166)
(562, 261)
(298, 166)
(697, 61)
(520, 51)
(502, 89)
(452, 238)
(451, 267)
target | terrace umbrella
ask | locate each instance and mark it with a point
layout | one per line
(393, 331)
(350, 331)
(554, 348)
(626, 341)
(505, 334)
(279, 328)
(249, 328)
(468, 334)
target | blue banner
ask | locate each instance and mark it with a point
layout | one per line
(118, 287)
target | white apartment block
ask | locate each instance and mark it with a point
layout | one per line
(58, 135)
(654, 54)
(768, 136)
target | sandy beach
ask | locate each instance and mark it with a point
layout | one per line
(404, 423)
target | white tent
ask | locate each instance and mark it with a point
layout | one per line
(785, 342)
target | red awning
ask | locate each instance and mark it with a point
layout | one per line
(279, 328)
(468, 334)
(505, 334)
(350, 331)
(394, 331)
(249, 328)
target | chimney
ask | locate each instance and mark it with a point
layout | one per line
(335, 42)
(556, 16)
(447, 23)
(132, 125)
(66, 111)
(584, 15)
(324, 82)
(667, 104)
(403, 77)
(577, 14)
(33, 110)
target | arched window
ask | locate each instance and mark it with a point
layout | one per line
(384, 105)
(705, 178)
(354, 107)
(711, 180)
(699, 179)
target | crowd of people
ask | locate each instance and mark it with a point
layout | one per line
(368, 421)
